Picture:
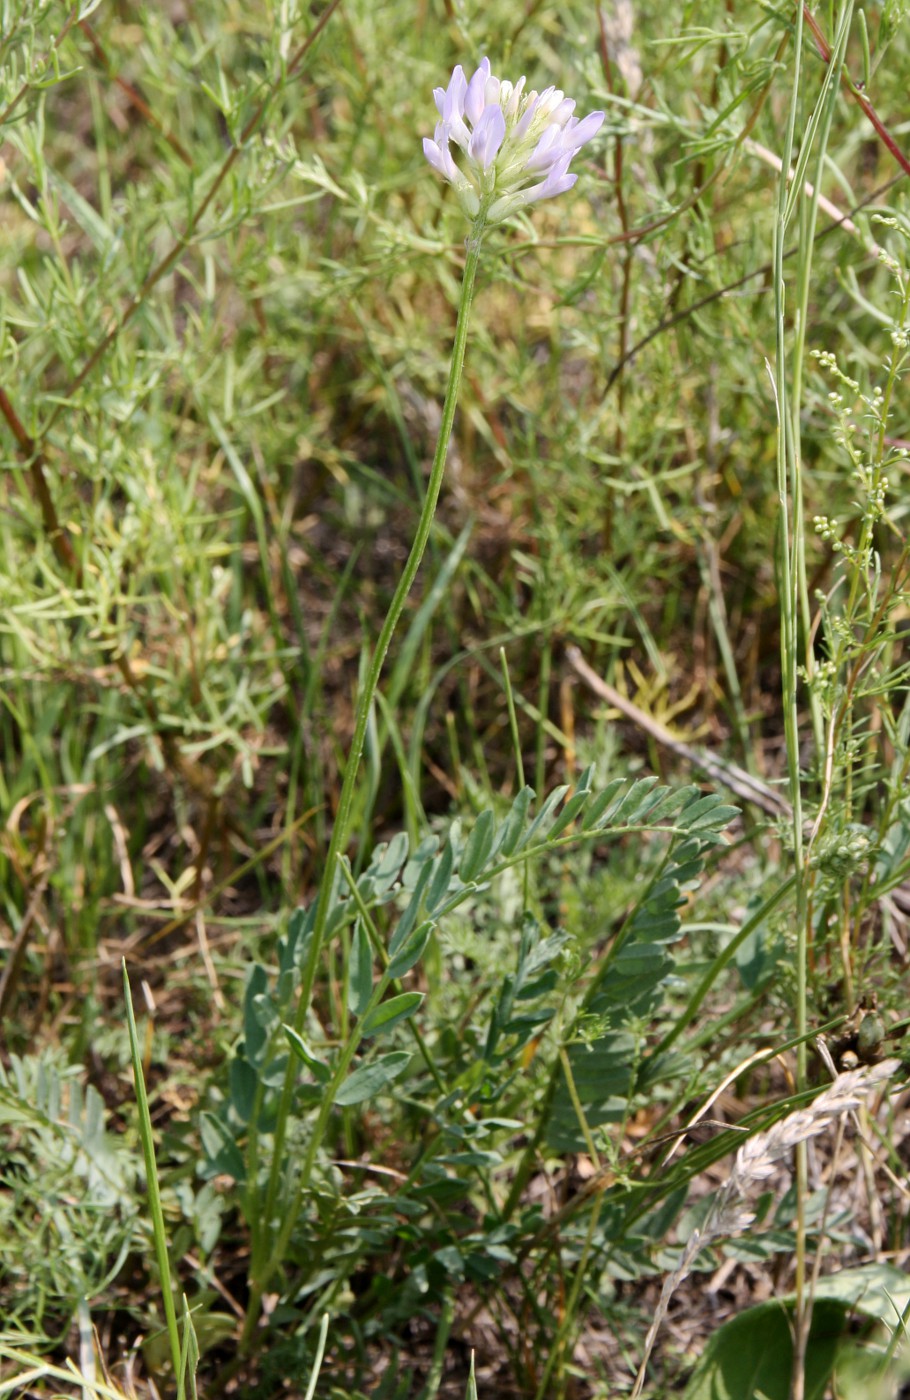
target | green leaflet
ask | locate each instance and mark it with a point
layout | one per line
(360, 972)
(370, 1079)
(390, 1012)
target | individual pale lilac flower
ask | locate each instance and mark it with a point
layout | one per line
(513, 147)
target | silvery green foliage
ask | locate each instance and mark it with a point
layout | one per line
(68, 1208)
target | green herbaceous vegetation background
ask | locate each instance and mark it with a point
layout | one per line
(629, 841)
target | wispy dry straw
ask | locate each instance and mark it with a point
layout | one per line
(756, 1161)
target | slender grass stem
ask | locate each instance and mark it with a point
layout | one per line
(159, 1232)
(787, 482)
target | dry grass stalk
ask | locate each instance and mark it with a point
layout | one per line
(756, 1161)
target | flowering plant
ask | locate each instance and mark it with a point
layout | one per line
(508, 139)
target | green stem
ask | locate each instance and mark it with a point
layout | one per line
(265, 1267)
(159, 1233)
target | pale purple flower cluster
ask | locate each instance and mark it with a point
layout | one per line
(515, 147)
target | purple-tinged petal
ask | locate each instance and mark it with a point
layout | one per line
(489, 134)
(561, 114)
(491, 91)
(511, 105)
(453, 102)
(526, 118)
(584, 130)
(439, 97)
(548, 149)
(475, 96)
(548, 188)
(441, 159)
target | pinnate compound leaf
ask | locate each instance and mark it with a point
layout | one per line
(596, 811)
(370, 1079)
(570, 811)
(541, 822)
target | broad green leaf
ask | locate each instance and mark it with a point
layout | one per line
(878, 1290)
(595, 812)
(617, 813)
(360, 971)
(538, 827)
(477, 848)
(752, 1355)
(244, 1081)
(709, 811)
(568, 814)
(417, 862)
(255, 1035)
(390, 1012)
(319, 1068)
(292, 949)
(408, 919)
(386, 866)
(224, 1156)
(438, 887)
(514, 823)
(643, 798)
(412, 951)
(369, 1080)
